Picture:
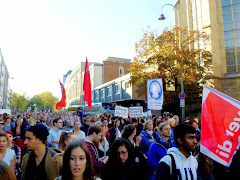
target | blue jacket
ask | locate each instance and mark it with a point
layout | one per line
(157, 150)
(145, 144)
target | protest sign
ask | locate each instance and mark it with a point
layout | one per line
(136, 111)
(121, 111)
(220, 126)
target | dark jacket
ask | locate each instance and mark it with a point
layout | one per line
(84, 128)
(129, 171)
(22, 135)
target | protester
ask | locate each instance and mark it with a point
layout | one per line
(139, 126)
(114, 131)
(94, 119)
(77, 163)
(172, 124)
(67, 126)
(40, 162)
(176, 118)
(55, 133)
(50, 124)
(65, 139)
(106, 128)
(159, 148)
(6, 173)
(80, 114)
(205, 165)
(86, 125)
(8, 125)
(194, 124)
(17, 150)
(92, 141)
(19, 133)
(76, 129)
(6, 154)
(179, 163)
(1, 125)
(121, 164)
(103, 145)
(149, 135)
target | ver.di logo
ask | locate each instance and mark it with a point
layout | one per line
(155, 90)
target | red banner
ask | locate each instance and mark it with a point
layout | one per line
(220, 126)
(62, 102)
(87, 86)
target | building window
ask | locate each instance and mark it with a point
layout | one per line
(108, 91)
(231, 26)
(96, 95)
(102, 93)
(117, 88)
(127, 85)
(121, 71)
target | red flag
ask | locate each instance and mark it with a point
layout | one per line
(87, 86)
(220, 126)
(62, 102)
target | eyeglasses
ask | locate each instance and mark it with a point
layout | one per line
(122, 153)
(2, 123)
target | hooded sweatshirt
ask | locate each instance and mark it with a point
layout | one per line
(187, 168)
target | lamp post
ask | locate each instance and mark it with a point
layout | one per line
(162, 17)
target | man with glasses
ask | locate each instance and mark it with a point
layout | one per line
(55, 132)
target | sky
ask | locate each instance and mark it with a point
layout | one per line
(41, 40)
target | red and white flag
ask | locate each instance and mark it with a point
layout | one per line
(62, 102)
(87, 86)
(220, 126)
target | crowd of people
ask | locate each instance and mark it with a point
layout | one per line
(66, 145)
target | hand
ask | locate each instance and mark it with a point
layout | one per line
(138, 139)
(104, 159)
(151, 140)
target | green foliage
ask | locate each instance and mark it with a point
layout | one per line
(48, 100)
(44, 101)
(20, 101)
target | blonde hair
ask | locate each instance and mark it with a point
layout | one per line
(6, 172)
(162, 125)
(146, 123)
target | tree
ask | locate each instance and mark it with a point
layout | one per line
(19, 101)
(35, 101)
(159, 56)
(48, 100)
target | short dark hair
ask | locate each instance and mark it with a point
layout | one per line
(181, 130)
(40, 131)
(94, 128)
(86, 119)
(56, 120)
(133, 120)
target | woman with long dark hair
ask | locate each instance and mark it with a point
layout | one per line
(121, 164)
(77, 163)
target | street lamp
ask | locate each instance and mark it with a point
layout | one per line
(162, 17)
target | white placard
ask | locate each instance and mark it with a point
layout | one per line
(155, 94)
(136, 111)
(121, 111)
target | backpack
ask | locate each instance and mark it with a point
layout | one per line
(174, 169)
